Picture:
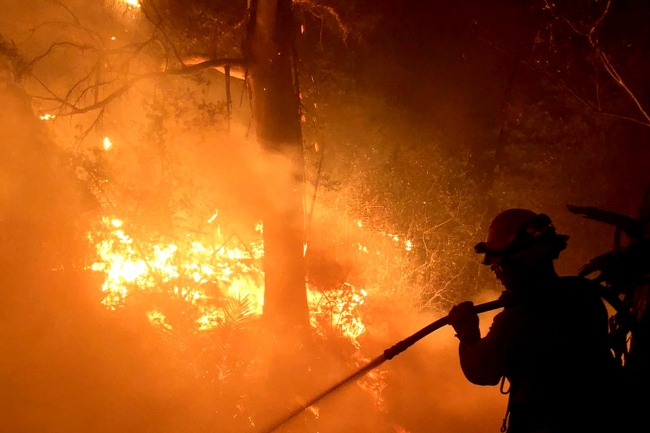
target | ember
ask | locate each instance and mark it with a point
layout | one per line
(131, 3)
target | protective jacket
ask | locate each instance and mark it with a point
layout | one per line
(551, 343)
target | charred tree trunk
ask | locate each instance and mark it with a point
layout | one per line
(276, 111)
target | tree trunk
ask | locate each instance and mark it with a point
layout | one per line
(276, 111)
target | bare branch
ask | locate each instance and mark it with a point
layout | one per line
(53, 97)
(595, 109)
(54, 45)
(78, 83)
(559, 81)
(319, 11)
(611, 70)
(592, 32)
(604, 58)
(95, 87)
(74, 17)
(158, 26)
(84, 134)
(213, 63)
(551, 8)
(598, 110)
(92, 33)
(74, 109)
(137, 46)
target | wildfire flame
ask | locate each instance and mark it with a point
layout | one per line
(182, 270)
(341, 308)
(131, 3)
(190, 270)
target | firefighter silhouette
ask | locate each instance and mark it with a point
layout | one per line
(549, 347)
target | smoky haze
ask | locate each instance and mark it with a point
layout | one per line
(396, 155)
(71, 365)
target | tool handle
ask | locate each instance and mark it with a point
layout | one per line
(387, 355)
(401, 346)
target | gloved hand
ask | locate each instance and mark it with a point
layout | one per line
(508, 298)
(465, 321)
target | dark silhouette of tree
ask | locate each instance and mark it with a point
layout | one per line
(625, 273)
(270, 47)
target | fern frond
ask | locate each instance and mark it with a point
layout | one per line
(627, 224)
(238, 312)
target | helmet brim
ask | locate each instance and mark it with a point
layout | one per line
(491, 255)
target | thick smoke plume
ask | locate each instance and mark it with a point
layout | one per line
(70, 365)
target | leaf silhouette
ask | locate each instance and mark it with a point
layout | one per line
(627, 224)
(238, 312)
(602, 263)
(644, 212)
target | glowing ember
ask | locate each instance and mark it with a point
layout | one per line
(408, 244)
(159, 320)
(107, 143)
(131, 3)
(48, 116)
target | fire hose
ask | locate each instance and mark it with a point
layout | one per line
(387, 355)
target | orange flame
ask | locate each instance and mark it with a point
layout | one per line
(185, 270)
(132, 3)
(189, 271)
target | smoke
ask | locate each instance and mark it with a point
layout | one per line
(70, 365)
(67, 366)
(427, 391)
(424, 386)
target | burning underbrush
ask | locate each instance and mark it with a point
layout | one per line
(176, 333)
(160, 331)
(157, 326)
(202, 293)
(208, 272)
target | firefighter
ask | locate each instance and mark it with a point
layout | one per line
(548, 348)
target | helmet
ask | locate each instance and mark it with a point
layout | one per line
(517, 230)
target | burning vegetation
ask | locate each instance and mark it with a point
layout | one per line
(207, 273)
(175, 261)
